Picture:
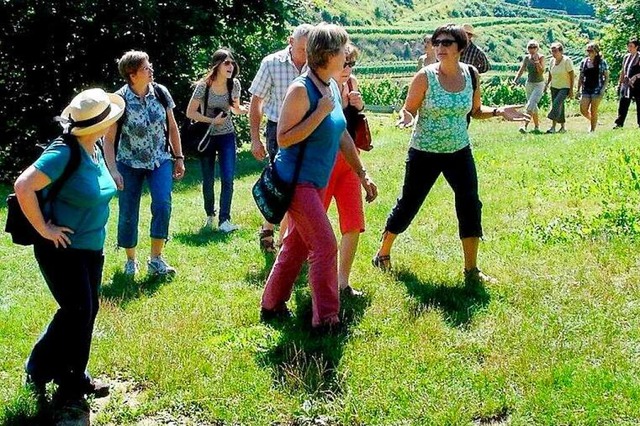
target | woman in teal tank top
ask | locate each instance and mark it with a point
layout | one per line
(311, 118)
(442, 95)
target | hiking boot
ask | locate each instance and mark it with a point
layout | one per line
(227, 226)
(522, 130)
(550, 131)
(349, 291)
(476, 277)
(158, 266)
(267, 315)
(97, 389)
(131, 267)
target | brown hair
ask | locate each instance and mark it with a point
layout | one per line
(130, 62)
(455, 31)
(324, 41)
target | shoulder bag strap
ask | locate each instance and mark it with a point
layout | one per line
(69, 169)
(206, 99)
(304, 143)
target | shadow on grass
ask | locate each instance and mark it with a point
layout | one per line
(457, 301)
(257, 275)
(123, 288)
(305, 362)
(203, 237)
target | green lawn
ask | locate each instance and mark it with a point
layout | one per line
(556, 341)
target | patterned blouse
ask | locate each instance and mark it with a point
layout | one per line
(442, 121)
(143, 141)
(216, 101)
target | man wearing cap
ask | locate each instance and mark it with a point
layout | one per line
(472, 54)
(267, 90)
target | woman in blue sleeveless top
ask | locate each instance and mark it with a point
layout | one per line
(443, 94)
(312, 114)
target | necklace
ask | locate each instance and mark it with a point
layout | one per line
(321, 80)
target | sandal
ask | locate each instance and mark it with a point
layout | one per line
(266, 241)
(382, 262)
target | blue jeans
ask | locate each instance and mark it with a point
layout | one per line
(62, 352)
(224, 146)
(160, 181)
(422, 171)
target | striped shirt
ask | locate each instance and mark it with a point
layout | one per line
(628, 61)
(272, 80)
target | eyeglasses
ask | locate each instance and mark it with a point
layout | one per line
(554, 49)
(589, 50)
(349, 64)
(446, 42)
(148, 67)
(228, 62)
(532, 47)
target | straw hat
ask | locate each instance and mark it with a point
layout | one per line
(91, 111)
(468, 28)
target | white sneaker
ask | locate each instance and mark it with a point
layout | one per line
(227, 226)
(131, 267)
(158, 266)
(209, 223)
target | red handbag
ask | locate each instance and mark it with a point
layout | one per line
(362, 134)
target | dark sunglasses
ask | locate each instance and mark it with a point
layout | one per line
(589, 50)
(350, 64)
(446, 42)
(532, 47)
(228, 62)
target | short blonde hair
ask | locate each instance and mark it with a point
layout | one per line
(324, 41)
(557, 45)
(130, 62)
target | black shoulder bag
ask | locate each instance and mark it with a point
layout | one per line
(21, 230)
(193, 134)
(271, 193)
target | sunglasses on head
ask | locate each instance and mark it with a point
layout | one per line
(446, 42)
(350, 64)
(227, 62)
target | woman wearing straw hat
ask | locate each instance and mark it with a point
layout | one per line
(70, 255)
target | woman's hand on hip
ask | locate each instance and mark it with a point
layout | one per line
(57, 234)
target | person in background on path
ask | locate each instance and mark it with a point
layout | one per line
(441, 95)
(70, 254)
(472, 54)
(592, 83)
(533, 63)
(267, 90)
(560, 79)
(312, 115)
(223, 96)
(429, 56)
(629, 83)
(147, 130)
(344, 183)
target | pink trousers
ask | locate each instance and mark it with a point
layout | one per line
(308, 236)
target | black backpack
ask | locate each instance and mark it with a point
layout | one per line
(162, 98)
(21, 230)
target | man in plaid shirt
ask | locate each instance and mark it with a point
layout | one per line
(472, 54)
(268, 89)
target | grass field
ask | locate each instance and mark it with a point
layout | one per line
(556, 341)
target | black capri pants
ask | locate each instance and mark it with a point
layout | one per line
(422, 171)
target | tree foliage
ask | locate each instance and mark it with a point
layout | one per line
(51, 49)
(622, 18)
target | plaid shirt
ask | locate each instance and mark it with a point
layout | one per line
(271, 82)
(472, 55)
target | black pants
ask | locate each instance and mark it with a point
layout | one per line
(422, 171)
(623, 109)
(271, 133)
(62, 352)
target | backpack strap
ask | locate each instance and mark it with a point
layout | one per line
(69, 169)
(162, 98)
(474, 86)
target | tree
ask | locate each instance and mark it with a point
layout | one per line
(51, 49)
(622, 18)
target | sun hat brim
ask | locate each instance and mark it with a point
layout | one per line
(117, 109)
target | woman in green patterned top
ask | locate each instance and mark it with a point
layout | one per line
(442, 95)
